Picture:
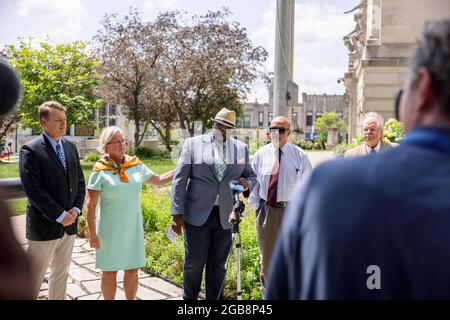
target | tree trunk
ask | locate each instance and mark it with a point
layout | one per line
(137, 124)
(167, 139)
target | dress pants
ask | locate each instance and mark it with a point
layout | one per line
(57, 252)
(268, 224)
(208, 244)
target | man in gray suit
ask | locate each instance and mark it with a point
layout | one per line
(372, 130)
(202, 202)
(378, 227)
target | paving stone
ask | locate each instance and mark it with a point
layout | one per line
(120, 275)
(177, 298)
(93, 286)
(74, 291)
(148, 294)
(44, 286)
(73, 266)
(43, 295)
(162, 286)
(79, 242)
(87, 247)
(84, 259)
(76, 250)
(80, 274)
(91, 266)
(78, 254)
(96, 296)
(142, 274)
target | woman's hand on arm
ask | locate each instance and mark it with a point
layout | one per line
(159, 180)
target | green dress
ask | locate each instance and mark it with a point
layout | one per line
(119, 218)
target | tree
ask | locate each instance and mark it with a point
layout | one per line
(328, 120)
(64, 72)
(129, 50)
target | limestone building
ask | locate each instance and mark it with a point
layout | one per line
(379, 50)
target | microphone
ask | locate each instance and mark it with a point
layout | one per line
(9, 89)
(235, 187)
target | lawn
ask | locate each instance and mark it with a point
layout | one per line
(19, 206)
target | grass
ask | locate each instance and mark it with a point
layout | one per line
(19, 206)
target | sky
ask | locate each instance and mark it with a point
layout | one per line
(320, 55)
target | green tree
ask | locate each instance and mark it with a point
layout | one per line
(63, 72)
(393, 130)
(328, 120)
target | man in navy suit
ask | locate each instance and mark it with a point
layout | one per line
(52, 178)
(378, 227)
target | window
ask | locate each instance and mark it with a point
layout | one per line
(246, 121)
(270, 118)
(260, 119)
(112, 121)
(309, 119)
(340, 114)
(318, 114)
(294, 120)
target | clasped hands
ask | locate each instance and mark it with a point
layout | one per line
(70, 218)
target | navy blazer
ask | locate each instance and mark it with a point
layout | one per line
(391, 211)
(50, 188)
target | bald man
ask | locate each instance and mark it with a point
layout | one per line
(278, 166)
(372, 129)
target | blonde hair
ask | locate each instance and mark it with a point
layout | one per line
(106, 137)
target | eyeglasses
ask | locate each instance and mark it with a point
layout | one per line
(280, 130)
(124, 142)
(221, 126)
(398, 97)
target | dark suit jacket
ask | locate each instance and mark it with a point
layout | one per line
(50, 188)
(392, 211)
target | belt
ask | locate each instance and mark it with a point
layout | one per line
(281, 204)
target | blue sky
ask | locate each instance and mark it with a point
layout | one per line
(320, 56)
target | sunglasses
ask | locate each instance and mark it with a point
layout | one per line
(280, 130)
(398, 97)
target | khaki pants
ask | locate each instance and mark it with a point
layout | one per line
(57, 252)
(268, 223)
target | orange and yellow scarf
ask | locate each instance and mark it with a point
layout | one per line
(109, 164)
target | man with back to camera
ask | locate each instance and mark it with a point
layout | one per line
(372, 130)
(53, 181)
(377, 227)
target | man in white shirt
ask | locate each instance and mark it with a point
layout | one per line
(278, 166)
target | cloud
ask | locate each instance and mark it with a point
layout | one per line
(160, 5)
(68, 15)
(319, 53)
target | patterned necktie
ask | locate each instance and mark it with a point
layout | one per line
(60, 154)
(273, 182)
(222, 165)
(372, 152)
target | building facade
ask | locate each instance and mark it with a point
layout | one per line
(379, 48)
(303, 115)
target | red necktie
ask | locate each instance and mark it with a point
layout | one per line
(273, 182)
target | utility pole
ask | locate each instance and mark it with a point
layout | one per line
(284, 57)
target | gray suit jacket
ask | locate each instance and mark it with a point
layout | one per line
(195, 185)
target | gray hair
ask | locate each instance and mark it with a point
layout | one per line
(433, 54)
(375, 115)
(106, 137)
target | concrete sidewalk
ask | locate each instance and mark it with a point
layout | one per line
(84, 278)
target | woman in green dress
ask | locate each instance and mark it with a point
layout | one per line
(116, 230)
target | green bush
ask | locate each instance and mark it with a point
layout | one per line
(393, 130)
(91, 157)
(309, 144)
(340, 149)
(147, 153)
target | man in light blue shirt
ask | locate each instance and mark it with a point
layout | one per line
(278, 166)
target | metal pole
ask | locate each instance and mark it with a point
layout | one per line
(284, 52)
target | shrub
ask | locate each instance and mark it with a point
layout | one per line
(91, 157)
(393, 130)
(143, 152)
(340, 149)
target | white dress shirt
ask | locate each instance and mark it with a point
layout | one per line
(294, 165)
(377, 148)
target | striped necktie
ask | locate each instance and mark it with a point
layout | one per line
(222, 165)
